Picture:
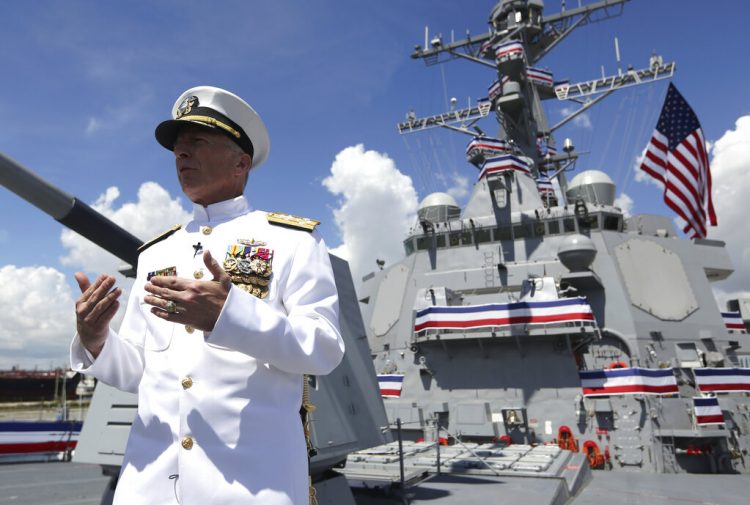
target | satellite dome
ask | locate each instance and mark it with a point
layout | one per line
(592, 186)
(438, 207)
(577, 252)
(435, 199)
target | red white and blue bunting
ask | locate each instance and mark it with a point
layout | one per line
(495, 315)
(503, 163)
(511, 49)
(628, 381)
(539, 76)
(733, 322)
(707, 411)
(390, 385)
(722, 380)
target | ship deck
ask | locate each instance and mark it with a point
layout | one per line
(84, 484)
(51, 484)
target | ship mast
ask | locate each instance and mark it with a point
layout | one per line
(519, 37)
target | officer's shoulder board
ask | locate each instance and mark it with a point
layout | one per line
(299, 223)
(159, 238)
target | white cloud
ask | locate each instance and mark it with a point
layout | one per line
(625, 203)
(154, 212)
(38, 319)
(92, 126)
(460, 188)
(377, 206)
(581, 120)
(730, 165)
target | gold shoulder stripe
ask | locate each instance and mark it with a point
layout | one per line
(300, 223)
(159, 238)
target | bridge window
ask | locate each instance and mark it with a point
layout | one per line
(482, 235)
(409, 246)
(502, 233)
(612, 223)
(522, 231)
(553, 227)
(569, 225)
(424, 243)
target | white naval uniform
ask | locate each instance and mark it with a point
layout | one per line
(234, 392)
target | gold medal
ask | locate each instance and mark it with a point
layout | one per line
(248, 263)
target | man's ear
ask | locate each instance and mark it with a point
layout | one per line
(244, 162)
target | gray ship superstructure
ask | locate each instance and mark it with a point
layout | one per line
(538, 317)
(525, 339)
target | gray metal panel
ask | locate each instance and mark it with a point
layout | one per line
(389, 298)
(656, 279)
(107, 426)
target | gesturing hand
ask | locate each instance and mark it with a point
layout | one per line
(188, 301)
(95, 308)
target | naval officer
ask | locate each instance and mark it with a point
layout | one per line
(226, 315)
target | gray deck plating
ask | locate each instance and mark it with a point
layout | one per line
(52, 484)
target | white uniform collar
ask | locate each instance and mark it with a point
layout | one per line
(222, 210)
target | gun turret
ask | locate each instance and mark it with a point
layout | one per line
(71, 212)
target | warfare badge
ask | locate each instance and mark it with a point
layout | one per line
(248, 263)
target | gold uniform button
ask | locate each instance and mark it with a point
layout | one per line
(187, 383)
(187, 443)
(198, 274)
(189, 328)
(206, 230)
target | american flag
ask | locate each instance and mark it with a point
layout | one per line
(676, 156)
(628, 381)
(733, 322)
(503, 314)
(722, 380)
(390, 385)
(505, 162)
(707, 411)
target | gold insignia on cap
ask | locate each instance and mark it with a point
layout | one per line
(159, 238)
(302, 223)
(212, 122)
(186, 106)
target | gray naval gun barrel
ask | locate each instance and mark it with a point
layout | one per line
(69, 211)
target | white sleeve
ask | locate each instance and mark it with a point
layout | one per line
(120, 362)
(304, 337)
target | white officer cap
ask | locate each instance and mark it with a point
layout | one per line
(220, 110)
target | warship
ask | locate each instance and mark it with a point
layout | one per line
(534, 346)
(538, 332)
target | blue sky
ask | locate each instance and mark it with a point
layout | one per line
(85, 82)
